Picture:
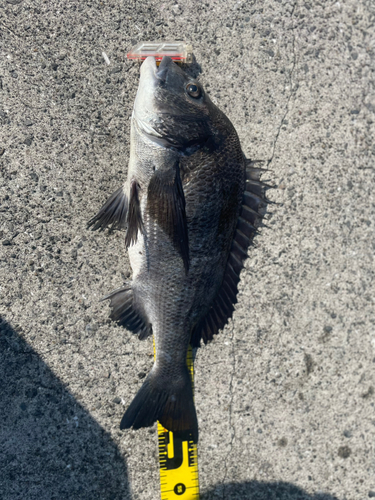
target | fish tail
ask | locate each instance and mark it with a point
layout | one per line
(168, 401)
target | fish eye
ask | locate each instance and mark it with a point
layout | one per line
(193, 90)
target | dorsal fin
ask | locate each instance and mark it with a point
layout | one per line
(221, 310)
(125, 312)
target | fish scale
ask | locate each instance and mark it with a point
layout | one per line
(191, 205)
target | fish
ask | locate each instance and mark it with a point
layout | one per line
(190, 207)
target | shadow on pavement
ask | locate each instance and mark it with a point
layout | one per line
(51, 448)
(256, 490)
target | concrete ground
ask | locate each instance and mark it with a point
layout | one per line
(285, 395)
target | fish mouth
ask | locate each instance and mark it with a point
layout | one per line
(146, 110)
(162, 70)
(149, 69)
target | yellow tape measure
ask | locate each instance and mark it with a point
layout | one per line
(178, 458)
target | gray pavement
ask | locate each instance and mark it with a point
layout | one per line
(285, 395)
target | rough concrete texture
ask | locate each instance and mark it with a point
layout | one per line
(285, 395)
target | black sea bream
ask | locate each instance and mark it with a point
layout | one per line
(190, 208)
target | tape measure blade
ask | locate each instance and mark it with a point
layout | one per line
(178, 458)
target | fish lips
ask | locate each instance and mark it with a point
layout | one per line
(161, 71)
(150, 71)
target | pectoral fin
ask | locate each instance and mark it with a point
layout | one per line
(166, 205)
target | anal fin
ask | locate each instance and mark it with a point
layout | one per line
(125, 313)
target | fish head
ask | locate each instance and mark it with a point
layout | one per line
(171, 108)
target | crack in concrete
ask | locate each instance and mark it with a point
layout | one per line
(231, 426)
(292, 92)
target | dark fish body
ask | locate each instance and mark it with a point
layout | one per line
(190, 207)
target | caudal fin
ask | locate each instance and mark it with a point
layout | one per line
(170, 402)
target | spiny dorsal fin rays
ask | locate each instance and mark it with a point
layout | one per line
(166, 205)
(250, 217)
(252, 172)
